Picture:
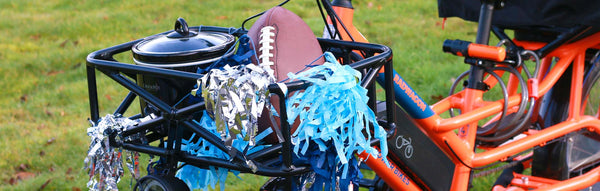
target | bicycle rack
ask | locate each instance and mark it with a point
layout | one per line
(171, 122)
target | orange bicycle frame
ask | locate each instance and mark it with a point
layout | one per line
(460, 147)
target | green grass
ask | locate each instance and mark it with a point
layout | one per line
(43, 88)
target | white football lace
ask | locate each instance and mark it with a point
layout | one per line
(265, 43)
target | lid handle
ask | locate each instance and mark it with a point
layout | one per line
(181, 27)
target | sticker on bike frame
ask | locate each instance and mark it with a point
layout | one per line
(403, 177)
(405, 143)
(407, 97)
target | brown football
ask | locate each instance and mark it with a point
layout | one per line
(286, 43)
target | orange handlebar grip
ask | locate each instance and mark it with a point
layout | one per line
(487, 52)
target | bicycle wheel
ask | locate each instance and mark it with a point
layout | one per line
(584, 150)
(158, 183)
(577, 152)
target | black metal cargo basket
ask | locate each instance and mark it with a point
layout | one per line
(274, 160)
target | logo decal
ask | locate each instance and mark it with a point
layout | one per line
(414, 97)
(406, 143)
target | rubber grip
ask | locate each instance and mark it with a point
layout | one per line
(457, 47)
(487, 52)
(468, 49)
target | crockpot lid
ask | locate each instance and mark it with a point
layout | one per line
(182, 45)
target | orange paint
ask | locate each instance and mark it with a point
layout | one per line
(487, 52)
(347, 17)
(456, 136)
(392, 175)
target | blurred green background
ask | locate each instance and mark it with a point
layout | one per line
(44, 43)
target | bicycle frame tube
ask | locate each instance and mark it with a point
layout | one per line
(567, 54)
(407, 97)
(392, 175)
(461, 149)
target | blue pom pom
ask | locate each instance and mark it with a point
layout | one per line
(333, 114)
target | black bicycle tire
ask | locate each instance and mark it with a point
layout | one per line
(592, 75)
(168, 183)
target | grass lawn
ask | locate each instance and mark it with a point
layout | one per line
(43, 89)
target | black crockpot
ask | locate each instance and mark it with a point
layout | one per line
(183, 50)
